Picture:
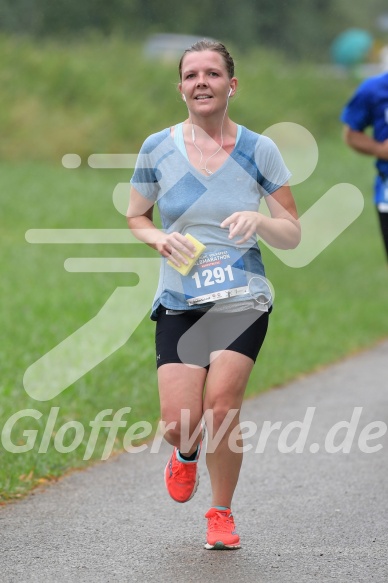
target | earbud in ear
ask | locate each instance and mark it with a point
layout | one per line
(230, 92)
(183, 97)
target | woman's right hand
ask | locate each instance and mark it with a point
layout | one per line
(169, 245)
(174, 247)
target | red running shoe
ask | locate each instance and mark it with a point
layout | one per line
(221, 530)
(181, 478)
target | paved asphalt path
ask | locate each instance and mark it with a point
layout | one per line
(313, 516)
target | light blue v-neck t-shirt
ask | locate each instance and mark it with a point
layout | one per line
(191, 202)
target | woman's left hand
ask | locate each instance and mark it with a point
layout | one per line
(245, 223)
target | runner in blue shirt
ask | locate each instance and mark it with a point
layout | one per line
(207, 176)
(368, 107)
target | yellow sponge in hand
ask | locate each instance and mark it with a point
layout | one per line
(199, 249)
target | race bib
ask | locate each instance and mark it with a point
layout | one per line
(215, 276)
(381, 192)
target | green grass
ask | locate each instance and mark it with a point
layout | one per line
(42, 304)
(102, 97)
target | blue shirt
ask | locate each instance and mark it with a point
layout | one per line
(191, 202)
(368, 107)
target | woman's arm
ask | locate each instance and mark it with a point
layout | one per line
(139, 219)
(280, 230)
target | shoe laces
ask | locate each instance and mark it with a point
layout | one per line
(183, 472)
(220, 521)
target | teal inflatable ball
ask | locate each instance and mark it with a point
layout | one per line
(351, 47)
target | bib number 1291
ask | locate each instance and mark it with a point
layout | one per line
(209, 277)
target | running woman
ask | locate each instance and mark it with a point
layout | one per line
(207, 175)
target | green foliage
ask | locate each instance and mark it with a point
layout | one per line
(302, 29)
(103, 95)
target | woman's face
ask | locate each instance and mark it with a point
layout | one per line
(205, 82)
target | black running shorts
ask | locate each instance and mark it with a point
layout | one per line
(191, 336)
(383, 217)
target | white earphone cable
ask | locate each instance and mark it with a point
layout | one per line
(204, 167)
